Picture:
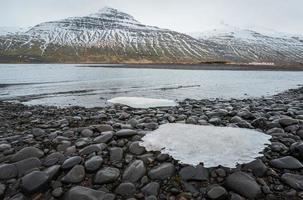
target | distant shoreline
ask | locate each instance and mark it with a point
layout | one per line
(182, 66)
(234, 67)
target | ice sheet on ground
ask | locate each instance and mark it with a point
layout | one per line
(212, 146)
(141, 102)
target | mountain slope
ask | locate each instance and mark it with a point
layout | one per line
(106, 36)
(111, 36)
(242, 45)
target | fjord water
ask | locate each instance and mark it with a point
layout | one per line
(69, 84)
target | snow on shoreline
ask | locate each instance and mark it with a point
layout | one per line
(214, 146)
(141, 102)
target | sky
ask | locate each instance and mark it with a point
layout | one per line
(180, 15)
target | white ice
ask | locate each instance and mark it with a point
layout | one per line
(141, 102)
(212, 146)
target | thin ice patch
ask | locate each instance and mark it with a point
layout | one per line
(212, 146)
(141, 102)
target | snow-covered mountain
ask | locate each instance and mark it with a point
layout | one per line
(107, 36)
(244, 45)
(112, 36)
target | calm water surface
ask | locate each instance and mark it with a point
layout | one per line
(65, 85)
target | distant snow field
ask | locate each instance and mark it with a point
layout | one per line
(212, 146)
(141, 102)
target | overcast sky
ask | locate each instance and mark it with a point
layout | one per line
(180, 15)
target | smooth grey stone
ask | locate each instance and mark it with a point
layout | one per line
(275, 130)
(161, 172)
(126, 133)
(198, 173)
(83, 193)
(103, 128)
(27, 152)
(296, 149)
(94, 163)
(151, 126)
(151, 188)
(287, 162)
(260, 123)
(27, 165)
(116, 154)
(8, 171)
(53, 159)
(257, 166)
(136, 149)
(70, 162)
(287, 121)
(215, 121)
(57, 192)
(243, 184)
(217, 192)
(52, 171)
(75, 175)
(245, 114)
(90, 149)
(34, 182)
(293, 180)
(235, 196)
(5, 147)
(104, 137)
(107, 175)
(134, 171)
(126, 190)
(87, 133)
(37, 132)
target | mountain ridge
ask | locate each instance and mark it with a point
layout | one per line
(111, 36)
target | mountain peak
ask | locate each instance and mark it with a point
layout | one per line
(112, 13)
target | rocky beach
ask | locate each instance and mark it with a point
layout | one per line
(78, 153)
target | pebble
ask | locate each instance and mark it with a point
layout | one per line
(71, 162)
(81, 193)
(27, 152)
(287, 162)
(126, 190)
(161, 172)
(94, 163)
(243, 184)
(134, 171)
(34, 182)
(106, 175)
(75, 175)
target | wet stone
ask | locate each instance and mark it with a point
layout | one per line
(116, 154)
(126, 190)
(134, 171)
(93, 164)
(104, 137)
(75, 175)
(81, 193)
(243, 184)
(107, 175)
(70, 162)
(34, 182)
(161, 172)
(136, 149)
(287, 162)
(8, 171)
(126, 133)
(190, 173)
(217, 192)
(27, 152)
(151, 188)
